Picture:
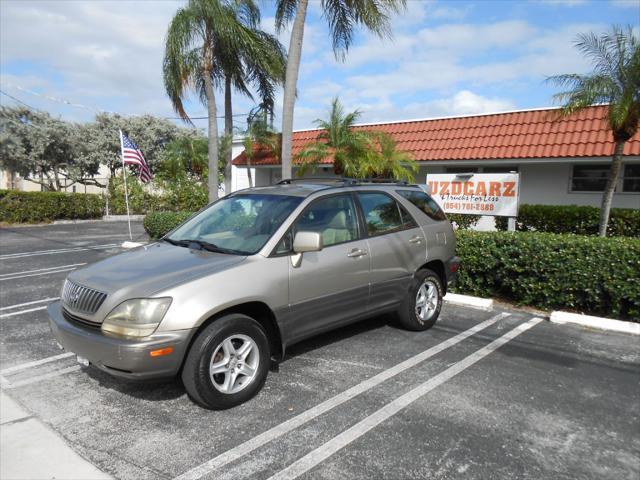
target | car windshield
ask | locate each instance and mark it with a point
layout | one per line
(238, 224)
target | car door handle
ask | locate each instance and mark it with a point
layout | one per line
(415, 239)
(356, 252)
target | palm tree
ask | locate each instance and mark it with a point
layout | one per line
(197, 43)
(259, 137)
(356, 153)
(384, 160)
(259, 64)
(615, 81)
(342, 17)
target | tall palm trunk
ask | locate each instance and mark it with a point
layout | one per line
(228, 131)
(607, 196)
(291, 81)
(213, 137)
(249, 176)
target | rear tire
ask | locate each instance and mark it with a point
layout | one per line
(227, 363)
(422, 304)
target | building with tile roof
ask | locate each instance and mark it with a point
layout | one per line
(561, 160)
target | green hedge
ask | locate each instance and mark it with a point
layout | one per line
(594, 275)
(37, 207)
(158, 224)
(463, 221)
(581, 220)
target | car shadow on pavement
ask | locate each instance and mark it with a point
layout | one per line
(151, 390)
(343, 333)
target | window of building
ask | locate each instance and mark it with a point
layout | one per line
(589, 178)
(507, 169)
(631, 178)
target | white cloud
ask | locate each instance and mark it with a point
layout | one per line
(94, 53)
(566, 3)
(463, 102)
(626, 3)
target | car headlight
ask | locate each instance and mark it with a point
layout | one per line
(138, 317)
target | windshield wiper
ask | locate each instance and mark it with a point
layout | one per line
(211, 247)
(172, 242)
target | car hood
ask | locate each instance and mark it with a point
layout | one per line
(150, 269)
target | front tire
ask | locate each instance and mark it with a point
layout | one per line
(227, 363)
(423, 302)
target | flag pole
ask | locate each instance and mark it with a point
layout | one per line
(126, 192)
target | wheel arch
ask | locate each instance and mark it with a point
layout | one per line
(437, 266)
(257, 310)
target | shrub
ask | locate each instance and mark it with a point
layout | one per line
(464, 222)
(581, 220)
(36, 207)
(158, 224)
(588, 274)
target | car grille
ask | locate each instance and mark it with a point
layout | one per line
(81, 299)
(83, 322)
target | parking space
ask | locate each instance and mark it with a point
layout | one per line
(481, 395)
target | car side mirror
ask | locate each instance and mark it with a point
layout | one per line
(307, 242)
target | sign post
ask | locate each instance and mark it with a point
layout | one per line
(490, 194)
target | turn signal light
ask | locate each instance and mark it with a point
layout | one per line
(161, 352)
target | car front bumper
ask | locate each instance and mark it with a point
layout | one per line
(120, 357)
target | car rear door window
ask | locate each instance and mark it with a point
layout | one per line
(381, 213)
(424, 202)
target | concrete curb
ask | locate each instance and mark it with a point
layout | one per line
(70, 222)
(485, 304)
(600, 323)
(121, 218)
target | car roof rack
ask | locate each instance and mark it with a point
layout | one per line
(344, 181)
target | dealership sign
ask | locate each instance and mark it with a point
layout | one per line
(494, 194)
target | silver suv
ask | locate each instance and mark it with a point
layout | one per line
(219, 298)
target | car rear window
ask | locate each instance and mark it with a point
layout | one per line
(424, 202)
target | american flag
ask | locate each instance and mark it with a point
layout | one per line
(132, 155)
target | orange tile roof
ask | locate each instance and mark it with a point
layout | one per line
(511, 135)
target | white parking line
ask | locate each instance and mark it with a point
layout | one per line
(24, 272)
(4, 315)
(308, 415)
(49, 271)
(323, 452)
(35, 363)
(60, 250)
(18, 305)
(39, 378)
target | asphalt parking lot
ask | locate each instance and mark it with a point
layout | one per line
(482, 395)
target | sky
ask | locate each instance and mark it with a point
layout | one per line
(446, 58)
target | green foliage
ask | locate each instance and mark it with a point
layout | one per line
(581, 220)
(140, 199)
(44, 150)
(593, 275)
(615, 80)
(464, 222)
(356, 153)
(152, 134)
(158, 224)
(36, 207)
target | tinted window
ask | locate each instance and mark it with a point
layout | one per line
(589, 178)
(631, 179)
(407, 220)
(334, 218)
(424, 202)
(381, 213)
